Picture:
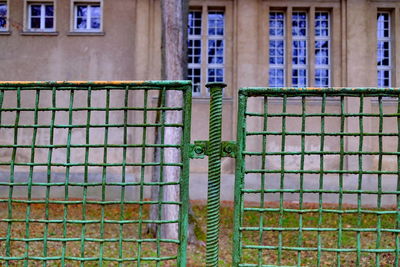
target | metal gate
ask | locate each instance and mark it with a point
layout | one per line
(76, 167)
(317, 177)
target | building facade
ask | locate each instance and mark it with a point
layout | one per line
(277, 43)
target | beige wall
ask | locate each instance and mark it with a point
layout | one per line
(70, 57)
(130, 49)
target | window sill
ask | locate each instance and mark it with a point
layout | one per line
(86, 34)
(29, 33)
(5, 33)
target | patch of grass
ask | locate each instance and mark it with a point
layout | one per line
(84, 241)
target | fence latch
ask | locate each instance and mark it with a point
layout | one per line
(199, 149)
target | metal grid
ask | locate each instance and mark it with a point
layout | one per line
(321, 186)
(76, 161)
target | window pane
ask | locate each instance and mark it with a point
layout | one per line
(276, 77)
(383, 50)
(3, 16)
(215, 23)
(276, 49)
(35, 23)
(299, 77)
(95, 11)
(215, 75)
(35, 10)
(322, 40)
(49, 23)
(95, 24)
(49, 10)
(194, 51)
(82, 11)
(81, 23)
(3, 10)
(215, 51)
(299, 24)
(383, 25)
(194, 74)
(276, 24)
(194, 21)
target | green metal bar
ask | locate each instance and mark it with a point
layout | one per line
(262, 185)
(214, 173)
(321, 179)
(12, 171)
(303, 129)
(397, 236)
(86, 173)
(162, 163)
(104, 176)
(239, 178)
(67, 176)
(142, 173)
(337, 91)
(49, 159)
(184, 185)
(136, 85)
(282, 180)
(62, 137)
(360, 179)
(379, 204)
(341, 166)
(247, 252)
(30, 177)
(123, 171)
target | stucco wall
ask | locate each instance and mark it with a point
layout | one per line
(130, 49)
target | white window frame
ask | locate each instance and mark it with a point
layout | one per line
(193, 66)
(6, 17)
(278, 38)
(216, 38)
(74, 16)
(324, 38)
(289, 67)
(298, 66)
(204, 66)
(42, 16)
(388, 39)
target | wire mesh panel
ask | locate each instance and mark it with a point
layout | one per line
(80, 182)
(317, 177)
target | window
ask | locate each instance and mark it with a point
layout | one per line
(87, 17)
(322, 46)
(276, 49)
(194, 50)
(299, 49)
(3, 16)
(41, 17)
(297, 52)
(383, 53)
(206, 64)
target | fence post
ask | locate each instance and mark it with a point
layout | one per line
(214, 173)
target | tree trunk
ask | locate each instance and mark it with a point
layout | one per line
(174, 67)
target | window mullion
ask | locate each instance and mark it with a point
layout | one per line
(89, 17)
(396, 48)
(204, 49)
(42, 16)
(75, 18)
(288, 48)
(311, 48)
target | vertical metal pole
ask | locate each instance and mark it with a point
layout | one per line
(214, 173)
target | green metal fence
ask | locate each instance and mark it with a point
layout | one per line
(317, 177)
(87, 170)
(76, 161)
